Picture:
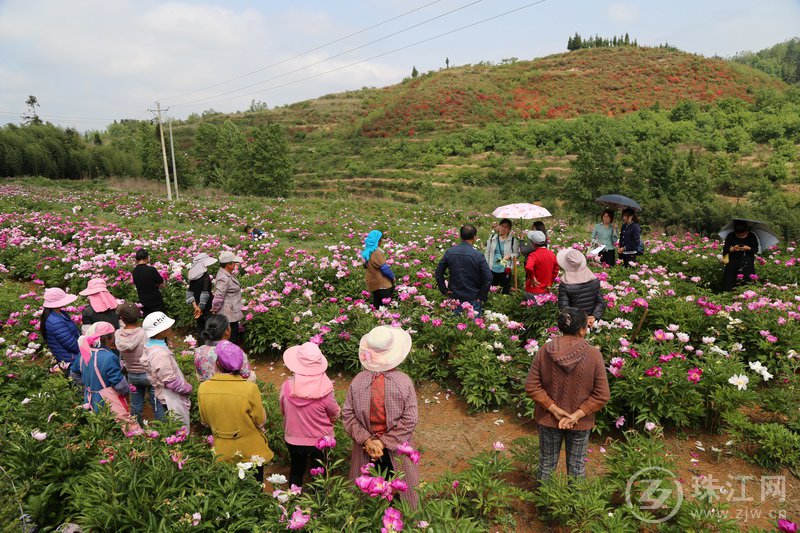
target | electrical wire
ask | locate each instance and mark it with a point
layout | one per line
(369, 58)
(413, 26)
(301, 54)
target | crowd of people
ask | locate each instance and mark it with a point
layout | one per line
(122, 356)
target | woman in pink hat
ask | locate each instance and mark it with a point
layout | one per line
(102, 305)
(308, 405)
(380, 412)
(579, 286)
(57, 328)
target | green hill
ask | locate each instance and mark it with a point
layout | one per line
(485, 134)
(609, 81)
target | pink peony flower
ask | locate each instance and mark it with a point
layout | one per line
(392, 521)
(498, 446)
(649, 426)
(694, 374)
(326, 442)
(787, 526)
(654, 372)
(620, 422)
(318, 471)
(298, 520)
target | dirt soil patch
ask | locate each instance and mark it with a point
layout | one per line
(448, 436)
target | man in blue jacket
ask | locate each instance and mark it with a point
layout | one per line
(470, 275)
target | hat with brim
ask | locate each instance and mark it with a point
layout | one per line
(95, 286)
(306, 360)
(384, 348)
(229, 257)
(230, 358)
(537, 237)
(574, 264)
(55, 298)
(155, 323)
(200, 265)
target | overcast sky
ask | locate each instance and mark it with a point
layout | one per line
(89, 62)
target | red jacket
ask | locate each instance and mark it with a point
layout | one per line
(542, 266)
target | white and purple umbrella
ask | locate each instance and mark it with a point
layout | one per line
(521, 211)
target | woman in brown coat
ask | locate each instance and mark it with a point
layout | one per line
(567, 380)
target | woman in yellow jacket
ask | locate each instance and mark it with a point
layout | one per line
(232, 406)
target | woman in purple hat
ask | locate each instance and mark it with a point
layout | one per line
(102, 304)
(233, 408)
(57, 328)
(308, 405)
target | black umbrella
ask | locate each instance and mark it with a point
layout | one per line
(618, 201)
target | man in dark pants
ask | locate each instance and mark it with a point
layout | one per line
(148, 284)
(470, 275)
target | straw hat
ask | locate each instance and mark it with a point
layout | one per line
(574, 264)
(384, 348)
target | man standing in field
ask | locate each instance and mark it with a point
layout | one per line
(148, 284)
(470, 275)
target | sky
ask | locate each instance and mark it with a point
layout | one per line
(90, 62)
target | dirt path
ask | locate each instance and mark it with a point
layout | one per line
(448, 437)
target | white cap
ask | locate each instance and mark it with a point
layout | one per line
(155, 323)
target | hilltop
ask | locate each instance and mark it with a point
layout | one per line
(608, 81)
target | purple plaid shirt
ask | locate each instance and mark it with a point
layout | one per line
(401, 419)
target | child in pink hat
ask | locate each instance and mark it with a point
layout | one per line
(308, 405)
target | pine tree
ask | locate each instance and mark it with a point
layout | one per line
(414, 72)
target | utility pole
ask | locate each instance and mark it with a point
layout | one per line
(163, 149)
(174, 170)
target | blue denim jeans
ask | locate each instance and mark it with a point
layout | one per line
(143, 387)
(477, 306)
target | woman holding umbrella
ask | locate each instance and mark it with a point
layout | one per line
(740, 248)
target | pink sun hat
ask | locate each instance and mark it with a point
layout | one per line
(309, 365)
(55, 298)
(99, 297)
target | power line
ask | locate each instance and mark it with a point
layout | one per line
(301, 54)
(413, 26)
(373, 57)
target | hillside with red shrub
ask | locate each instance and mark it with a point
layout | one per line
(608, 81)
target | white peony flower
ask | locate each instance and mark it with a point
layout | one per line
(740, 380)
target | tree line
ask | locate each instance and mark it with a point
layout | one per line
(781, 60)
(221, 156)
(576, 42)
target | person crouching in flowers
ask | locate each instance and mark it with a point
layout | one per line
(309, 407)
(163, 372)
(380, 411)
(567, 380)
(232, 407)
(98, 370)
